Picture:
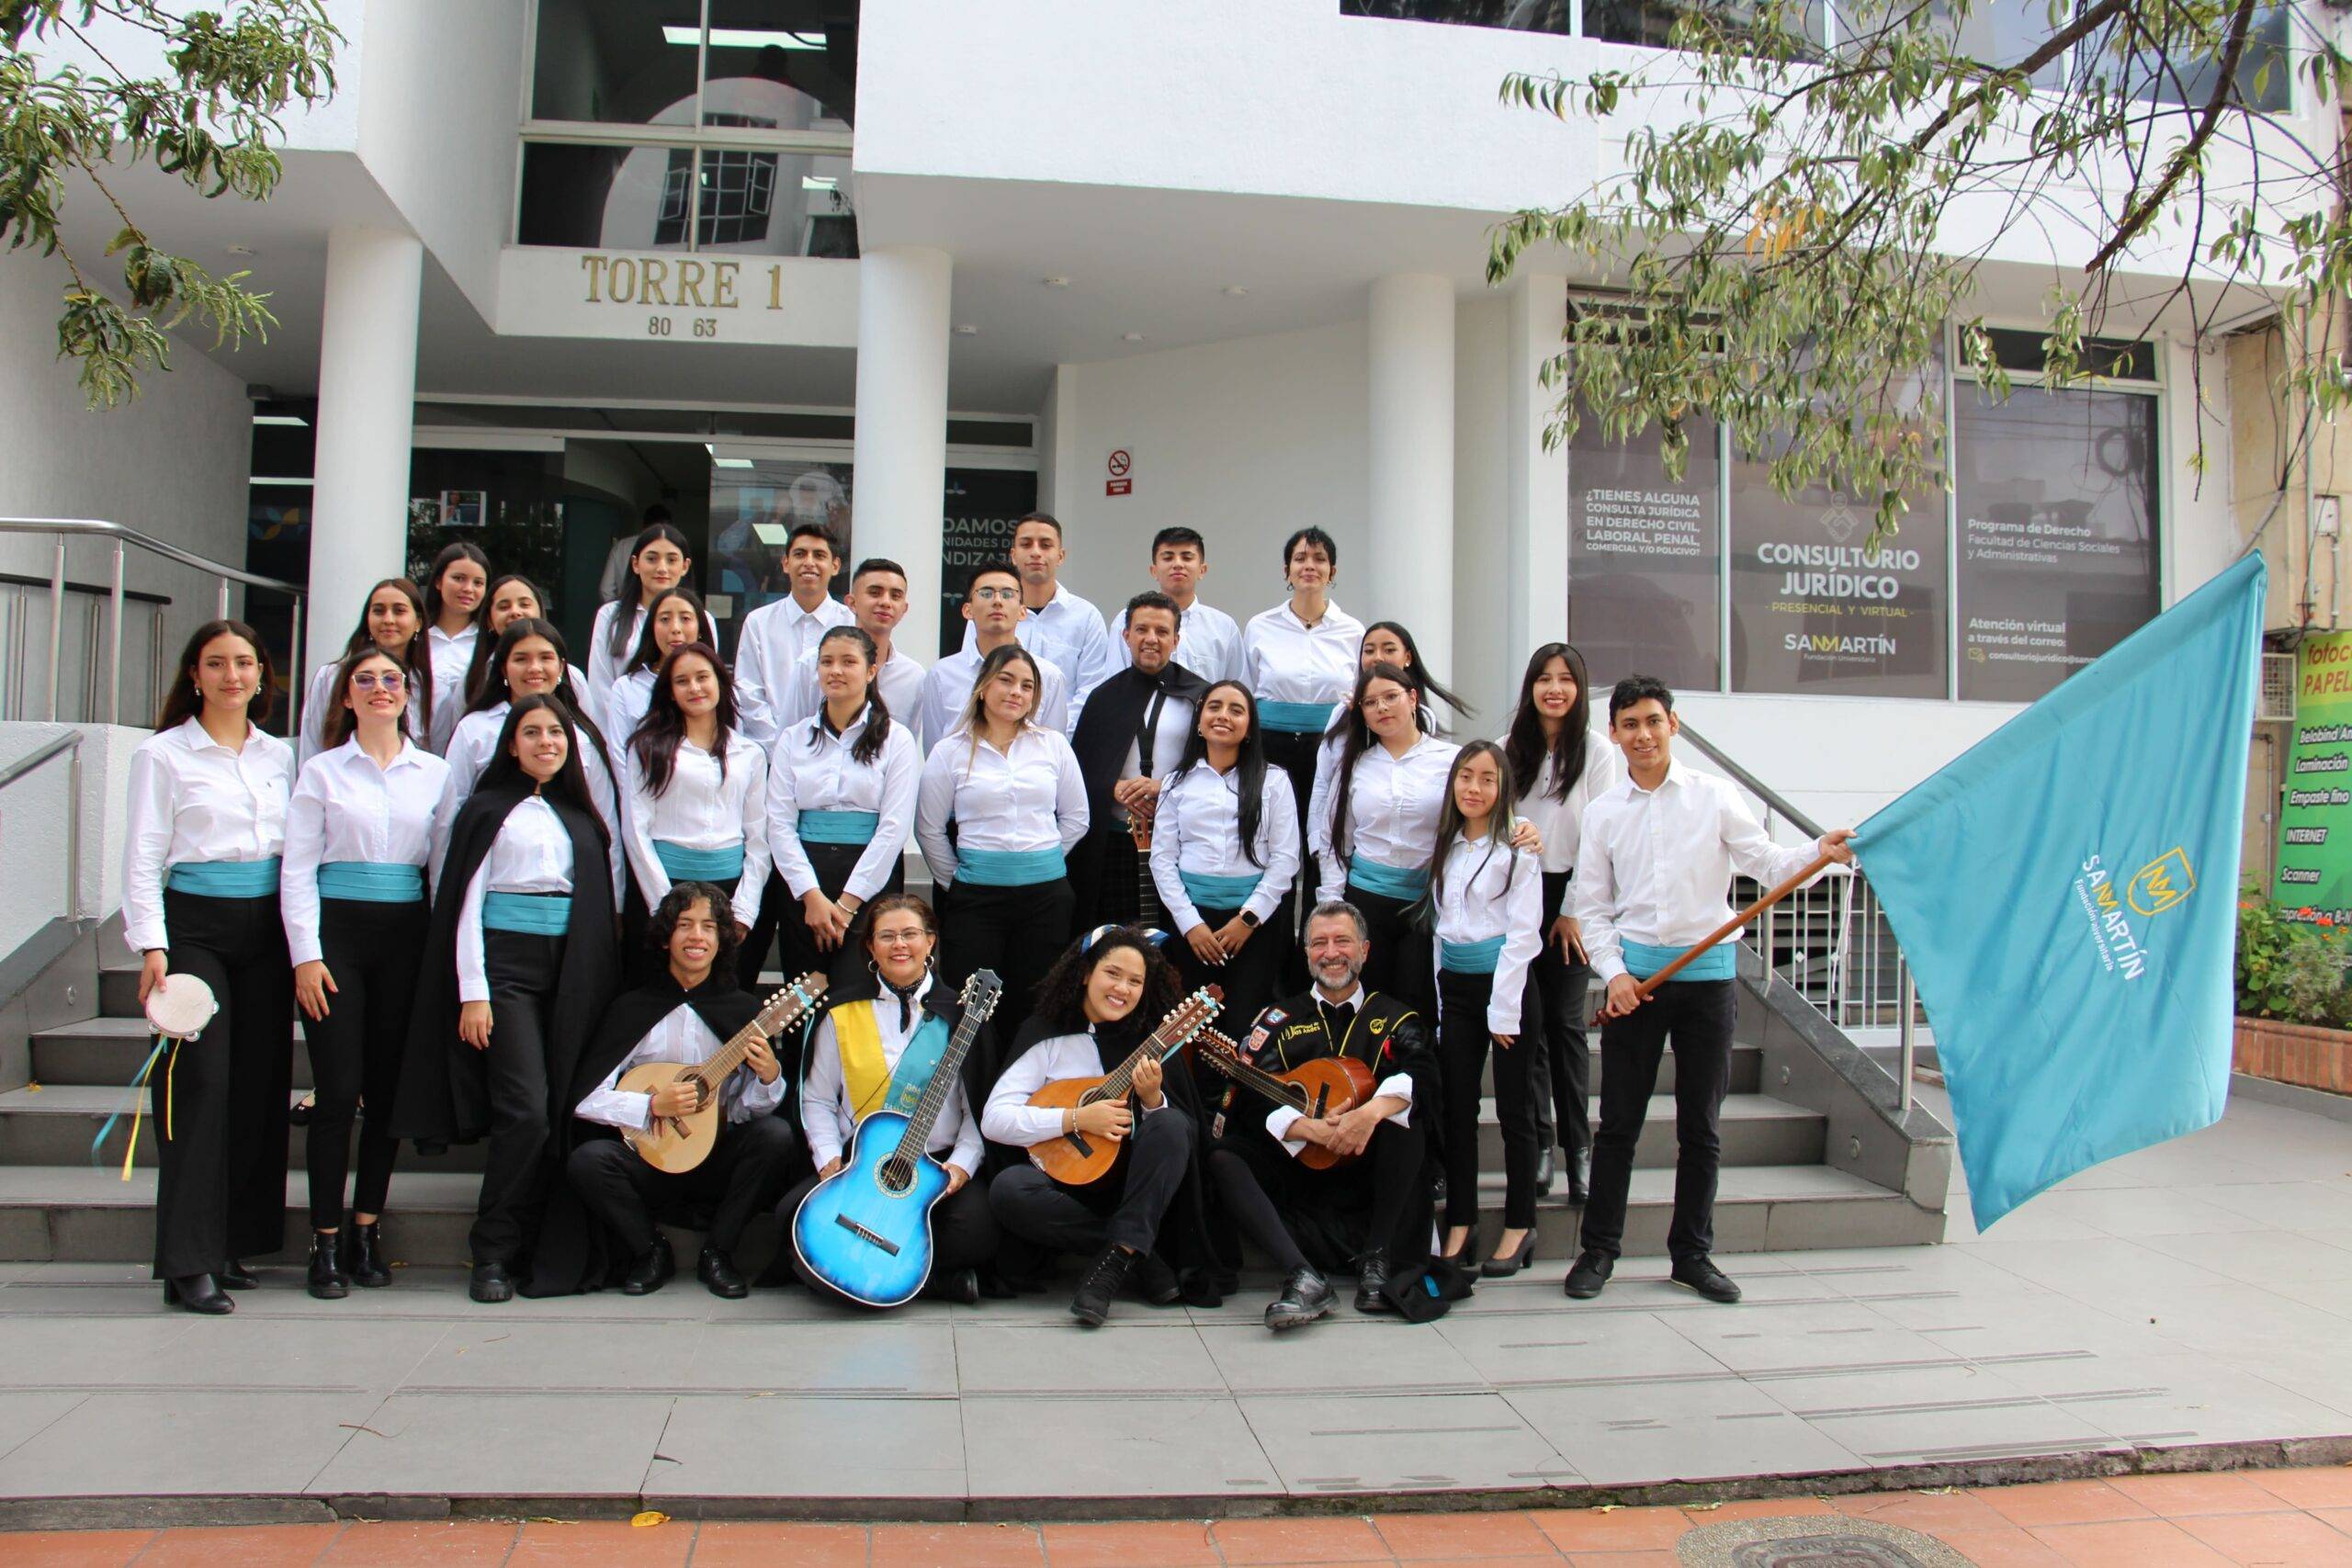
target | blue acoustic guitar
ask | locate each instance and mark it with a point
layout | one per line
(865, 1230)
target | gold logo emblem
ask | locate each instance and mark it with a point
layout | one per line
(2162, 882)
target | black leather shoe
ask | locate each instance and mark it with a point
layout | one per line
(1591, 1273)
(961, 1286)
(1545, 1174)
(491, 1282)
(719, 1276)
(1154, 1281)
(1104, 1277)
(299, 1113)
(1504, 1267)
(327, 1281)
(1307, 1296)
(363, 1255)
(1700, 1274)
(237, 1277)
(1579, 1177)
(197, 1292)
(1372, 1274)
(652, 1271)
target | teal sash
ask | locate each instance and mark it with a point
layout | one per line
(1295, 719)
(1219, 892)
(839, 827)
(1009, 868)
(225, 878)
(371, 882)
(916, 1065)
(532, 914)
(1479, 957)
(699, 865)
(1642, 961)
(1402, 882)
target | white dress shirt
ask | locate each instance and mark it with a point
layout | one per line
(772, 641)
(1288, 661)
(1208, 643)
(1493, 890)
(347, 809)
(900, 679)
(1070, 632)
(681, 1037)
(947, 690)
(321, 692)
(1562, 822)
(1170, 730)
(811, 770)
(702, 810)
(470, 752)
(531, 854)
(1393, 808)
(1009, 1118)
(825, 1110)
(192, 798)
(628, 703)
(1030, 798)
(1395, 1086)
(1654, 866)
(604, 665)
(453, 655)
(1197, 828)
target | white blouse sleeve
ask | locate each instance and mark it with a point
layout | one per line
(1167, 857)
(1522, 940)
(297, 877)
(902, 778)
(1278, 827)
(935, 805)
(785, 851)
(1069, 798)
(147, 835)
(755, 880)
(473, 966)
(653, 881)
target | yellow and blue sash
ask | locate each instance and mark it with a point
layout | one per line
(872, 1085)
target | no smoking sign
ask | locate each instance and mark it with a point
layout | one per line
(1122, 466)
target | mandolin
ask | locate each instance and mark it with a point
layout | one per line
(1076, 1159)
(1325, 1086)
(676, 1144)
(865, 1230)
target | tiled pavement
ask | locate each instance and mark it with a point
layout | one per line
(2300, 1518)
(2192, 1296)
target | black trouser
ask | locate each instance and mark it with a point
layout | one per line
(1697, 1015)
(1296, 754)
(523, 971)
(740, 1177)
(372, 952)
(963, 1233)
(221, 1099)
(797, 948)
(1400, 963)
(1261, 1183)
(1250, 977)
(1017, 931)
(1123, 1209)
(1563, 1063)
(1464, 1037)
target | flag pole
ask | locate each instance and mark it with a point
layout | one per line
(1692, 953)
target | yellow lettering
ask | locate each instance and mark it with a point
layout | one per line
(594, 266)
(622, 275)
(775, 287)
(690, 284)
(657, 282)
(722, 284)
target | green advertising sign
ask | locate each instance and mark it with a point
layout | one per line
(2315, 823)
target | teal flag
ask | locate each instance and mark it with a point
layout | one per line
(2066, 892)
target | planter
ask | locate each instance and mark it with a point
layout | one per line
(2294, 1053)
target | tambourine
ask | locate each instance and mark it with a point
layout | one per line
(180, 1006)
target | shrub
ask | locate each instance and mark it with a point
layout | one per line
(2290, 971)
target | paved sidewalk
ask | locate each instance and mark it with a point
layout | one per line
(2301, 1517)
(2194, 1297)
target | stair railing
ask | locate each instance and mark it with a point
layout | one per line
(69, 745)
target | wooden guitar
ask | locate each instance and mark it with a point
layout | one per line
(676, 1144)
(865, 1230)
(1325, 1086)
(1076, 1158)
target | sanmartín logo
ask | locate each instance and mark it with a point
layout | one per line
(2161, 885)
(1826, 642)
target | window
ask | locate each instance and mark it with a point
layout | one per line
(1645, 558)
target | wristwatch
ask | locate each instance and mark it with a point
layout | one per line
(1250, 920)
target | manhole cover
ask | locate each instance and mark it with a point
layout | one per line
(1813, 1541)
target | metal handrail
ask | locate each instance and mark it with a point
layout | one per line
(64, 528)
(70, 745)
(1771, 797)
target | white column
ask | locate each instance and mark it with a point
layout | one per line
(1409, 576)
(1537, 579)
(367, 417)
(902, 448)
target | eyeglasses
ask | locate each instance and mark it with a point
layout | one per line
(985, 594)
(369, 680)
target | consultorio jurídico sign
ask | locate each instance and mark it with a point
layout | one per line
(2315, 875)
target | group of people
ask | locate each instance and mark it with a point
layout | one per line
(497, 884)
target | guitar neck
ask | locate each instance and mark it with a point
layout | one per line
(1153, 1049)
(721, 1064)
(925, 1116)
(1249, 1073)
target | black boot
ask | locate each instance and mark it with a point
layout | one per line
(197, 1292)
(237, 1277)
(1545, 1173)
(961, 1286)
(652, 1270)
(1372, 1277)
(719, 1276)
(328, 1283)
(1154, 1281)
(1307, 1296)
(491, 1283)
(362, 1253)
(1579, 1177)
(1103, 1277)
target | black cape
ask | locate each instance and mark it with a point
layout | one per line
(1389, 1037)
(575, 1252)
(1184, 1238)
(445, 1093)
(1111, 723)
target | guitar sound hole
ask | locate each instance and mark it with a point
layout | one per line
(896, 1174)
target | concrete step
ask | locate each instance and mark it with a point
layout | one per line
(53, 1125)
(119, 990)
(1746, 1069)
(107, 1051)
(1755, 1129)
